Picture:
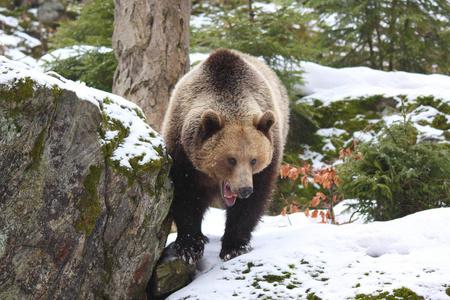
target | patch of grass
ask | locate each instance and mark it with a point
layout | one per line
(249, 266)
(270, 278)
(312, 296)
(401, 293)
(276, 278)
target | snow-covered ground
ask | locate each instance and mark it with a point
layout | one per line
(330, 84)
(295, 258)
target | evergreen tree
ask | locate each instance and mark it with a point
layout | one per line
(281, 36)
(397, 175)
(405, 35)
(93, 27)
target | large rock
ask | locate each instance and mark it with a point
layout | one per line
(84, 191)
(171, 274)
(50, 10)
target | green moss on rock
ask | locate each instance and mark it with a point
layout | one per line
(89, 205)
(57, 92)
(111, 124)
(38, 147)
(21, 89)
(14, 94)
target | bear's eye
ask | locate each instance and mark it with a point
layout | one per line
(253, 162)
(232, 161)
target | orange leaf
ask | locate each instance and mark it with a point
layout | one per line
(305, 180)
(348, 151)
(284, 170)
(283, 213)
(291, 210)
(296, 209)
(317, 178)
(321, 195)
(314, 214)
(307, 168)
(334, 198)
(302, 171)
(328, 215)
(293, 173)
(307, 214)
(315, 201)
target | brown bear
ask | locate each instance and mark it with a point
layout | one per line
(225, 128)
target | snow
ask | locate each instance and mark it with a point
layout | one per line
(17, 42)
(334, 262)
(64, 53)
(142, 142)
(330, 84)
(9, 21)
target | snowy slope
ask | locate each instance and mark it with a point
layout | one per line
(333, 262)
(330, 84)
(337, 262)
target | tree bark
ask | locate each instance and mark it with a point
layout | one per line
(151, 44)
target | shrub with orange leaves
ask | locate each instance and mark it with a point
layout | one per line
(327, 178)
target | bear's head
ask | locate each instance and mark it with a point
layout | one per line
(231, 152)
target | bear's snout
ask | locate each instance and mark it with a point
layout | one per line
(244, 192)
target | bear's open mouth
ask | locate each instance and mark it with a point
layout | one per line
(228, 196)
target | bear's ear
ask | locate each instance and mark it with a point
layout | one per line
(265, 122)
(211, 122)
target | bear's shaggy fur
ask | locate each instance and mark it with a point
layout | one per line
(225, 129)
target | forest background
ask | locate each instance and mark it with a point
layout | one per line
(394, 35)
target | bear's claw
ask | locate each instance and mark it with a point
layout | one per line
(227, 254)
(190, 249)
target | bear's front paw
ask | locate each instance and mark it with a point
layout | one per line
(190, 248)
(229, 253)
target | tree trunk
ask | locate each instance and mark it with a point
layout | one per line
(151, 43)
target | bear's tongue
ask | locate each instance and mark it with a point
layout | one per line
(228, 195)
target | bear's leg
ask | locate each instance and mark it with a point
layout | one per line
(245, 214)
(189, 204)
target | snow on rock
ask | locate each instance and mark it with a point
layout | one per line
(334, 262)
(329, 84)
(141, 143)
